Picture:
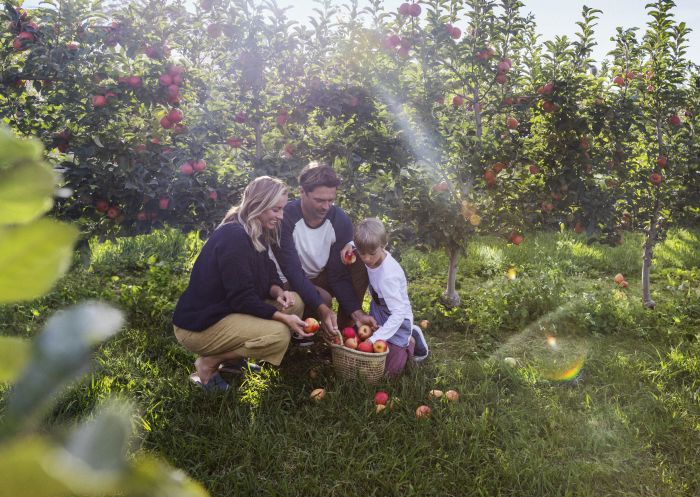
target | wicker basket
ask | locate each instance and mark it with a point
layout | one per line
(352, 364)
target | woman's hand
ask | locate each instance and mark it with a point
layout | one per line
(285, 299)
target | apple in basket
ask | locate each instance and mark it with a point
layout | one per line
(364, 332)
(365, 347)
(380, 346)
(349, 332)
(351, 343)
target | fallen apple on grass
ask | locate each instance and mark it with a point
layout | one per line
(435, 394)
(423, 412)
(452, 395)
(318, 394)
(381, 397)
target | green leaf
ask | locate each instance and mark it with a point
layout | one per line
(26, 192)
(61, 353)
(32, 257)
(14, 354)
(22, 469)
(16, 150)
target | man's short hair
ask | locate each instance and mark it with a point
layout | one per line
(370, 235)
(317, 174)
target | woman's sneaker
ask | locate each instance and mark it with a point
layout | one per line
(421, 349)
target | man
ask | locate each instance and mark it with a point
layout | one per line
(314, 231)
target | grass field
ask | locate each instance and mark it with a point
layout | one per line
(609, 406)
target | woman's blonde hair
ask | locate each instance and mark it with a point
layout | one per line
(260, 195)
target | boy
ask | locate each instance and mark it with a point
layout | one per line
(390, 305)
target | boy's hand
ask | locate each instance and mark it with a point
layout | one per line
(362, 318)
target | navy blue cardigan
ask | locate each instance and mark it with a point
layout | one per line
(229, 276)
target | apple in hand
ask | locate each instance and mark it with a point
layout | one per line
(380, 346)
(349, 258)
(364, 332)
(311, 325)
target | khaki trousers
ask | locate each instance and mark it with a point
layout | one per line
(252, 337)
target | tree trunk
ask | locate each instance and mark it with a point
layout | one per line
(648, 254)
(450, 297)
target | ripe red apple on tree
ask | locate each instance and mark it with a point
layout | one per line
(311, 325)
(101, 205)
(213, 195)
(534, 169)
(405, 9)
(364, 332)
(174, 116)
(457, 100)
(380, 346)
(187, 169)
(662, 160)
(235, 142)
(199, 165)
(240, 117)
(113, 212)
(490, 178)
(498, 167)
(674, 121)
(165, 80)
(99, 101)
(163, 203)
(512, 123)
(414, 10)
(501, 78)
(656, 178)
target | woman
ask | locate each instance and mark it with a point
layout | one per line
(235, 306)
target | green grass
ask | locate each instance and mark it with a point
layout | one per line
(628, 425)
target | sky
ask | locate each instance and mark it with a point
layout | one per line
(559, 17)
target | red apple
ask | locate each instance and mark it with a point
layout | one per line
(199, 165)
(662, 160)
(240, 117)
(619, 278)
(349, 258)
(381, 398)
(175, 116)
(165, 122)
(456, 33)
(351, 343)
(424, 323)
(101, 205)
(113, 212)
(163, 203)
(165, 80)
(187, 169)
(490, 178)
(619, 80)
(364, 332)
(365, 347)
(423, 412)
(498, 167)
(534, 169)
(414, 10)
(311, 325)
(548, 106)
(282, 118)
(443, 186)
(516, 239)
(213, 195)
(512, 123)
(501, 78)
(235, 142)
(405, 9)
(135, 81)
(457, 100)
(99, 101)
(674, 121)
(656, 178)
(380, 346)
(452, 395)
(349, 332)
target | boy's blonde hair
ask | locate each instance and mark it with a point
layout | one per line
(370, 235)
(260, 195)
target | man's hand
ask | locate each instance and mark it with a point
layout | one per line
(347, 256)
(286, 299)
(361, 318)
(329, 322)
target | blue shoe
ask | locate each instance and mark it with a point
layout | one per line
(241, 366)
(215, 384)
(421, 351)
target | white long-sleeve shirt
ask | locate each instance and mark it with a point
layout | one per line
(389, 282)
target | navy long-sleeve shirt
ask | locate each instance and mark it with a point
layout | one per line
(304, 252)
(229, 276)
